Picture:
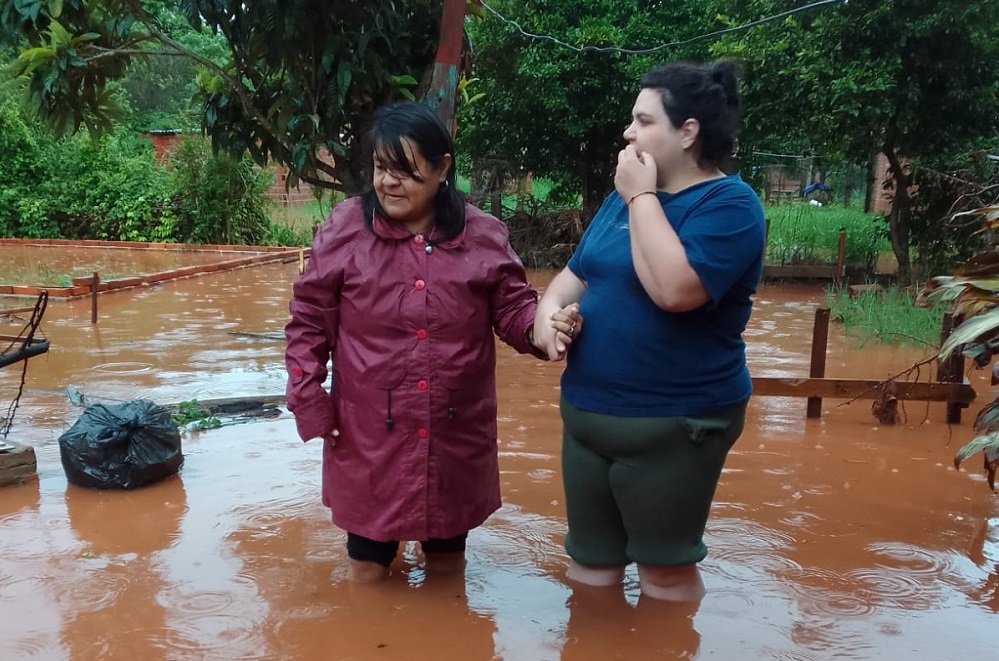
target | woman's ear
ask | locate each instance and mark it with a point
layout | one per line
(445, 166)
(689, 132)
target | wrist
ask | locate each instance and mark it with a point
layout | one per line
(535, 349)
(640, 194)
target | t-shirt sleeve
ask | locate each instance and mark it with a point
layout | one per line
(723, 238)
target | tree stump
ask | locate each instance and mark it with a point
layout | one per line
(17, 463)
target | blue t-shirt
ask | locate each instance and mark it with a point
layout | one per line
(635, 359)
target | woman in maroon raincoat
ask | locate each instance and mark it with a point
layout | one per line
(404, 289)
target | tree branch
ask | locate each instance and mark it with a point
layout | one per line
(893, 377)
(234, 83)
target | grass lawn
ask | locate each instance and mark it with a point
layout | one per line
(805, 234)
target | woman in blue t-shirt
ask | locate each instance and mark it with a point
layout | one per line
(655, 391)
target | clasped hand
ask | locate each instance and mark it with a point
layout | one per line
(636, 173)
(555, 337)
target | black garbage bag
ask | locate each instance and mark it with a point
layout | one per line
(121, 446)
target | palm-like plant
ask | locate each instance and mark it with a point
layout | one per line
(972, 294)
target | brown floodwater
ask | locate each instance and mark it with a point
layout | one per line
(830, 538)
(57, 265)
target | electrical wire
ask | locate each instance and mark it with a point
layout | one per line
(646, 51)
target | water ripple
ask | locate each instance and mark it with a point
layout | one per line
(910, 558)
(896, 589)
(123, 368)
(746, 551)
(826, 593)
(202, 603)
(34, 645)
(98, 589)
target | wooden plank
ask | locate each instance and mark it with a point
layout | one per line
(17, 464)
(817, 368)
(955, 393)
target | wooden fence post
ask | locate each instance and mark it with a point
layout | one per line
(817, 369)
(94, 282)
(840, 256)
(950, 370)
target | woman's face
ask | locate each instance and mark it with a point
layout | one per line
(651, 132)
(409, 198)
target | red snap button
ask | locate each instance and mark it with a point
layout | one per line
(421, 385)
(422, 433)
(418, 238)
(422, 334)
(419, 284)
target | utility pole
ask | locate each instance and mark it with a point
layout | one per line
(443, 89)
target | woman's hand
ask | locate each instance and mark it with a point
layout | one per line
(636, 173)
(566, 324)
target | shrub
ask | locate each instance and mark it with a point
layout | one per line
(217, 199)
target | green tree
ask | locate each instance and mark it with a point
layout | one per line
(161, 89)
(557, 112)
(300, 76)
(907, 78)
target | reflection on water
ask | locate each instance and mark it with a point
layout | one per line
(57, 265)
(829, 538)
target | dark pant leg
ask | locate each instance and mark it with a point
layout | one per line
(368, 550)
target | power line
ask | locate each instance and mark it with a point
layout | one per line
(645, 51)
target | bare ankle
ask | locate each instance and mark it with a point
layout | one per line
(671, 583)
(361, 571)
(595, 575)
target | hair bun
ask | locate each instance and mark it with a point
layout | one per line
(724, 74)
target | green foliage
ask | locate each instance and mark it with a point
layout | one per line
(558, 113)
(804, 234)
(949, 183)
(76, 187)
(190, 413)
(297, 77)
(907, 78)
(112, 189)
(217, 199)
(889, 316)
(972, 296)
(282, 235)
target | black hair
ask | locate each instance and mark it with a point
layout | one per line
(418, 123)
(707, 93)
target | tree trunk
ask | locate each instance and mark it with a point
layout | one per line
(444, 80)
(872, 165)
(899, 216)
(596, 174)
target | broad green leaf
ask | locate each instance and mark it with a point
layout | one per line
(404, 80)
(971, 330)
(55, 8)
(987, 420)
(343, 76)
(977, 444)
(60, 36)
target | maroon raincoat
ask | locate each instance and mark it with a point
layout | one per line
(410, 331)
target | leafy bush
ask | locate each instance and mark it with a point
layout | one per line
(78, 188)
(217, 199)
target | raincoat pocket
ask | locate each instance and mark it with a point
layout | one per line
(386, 378)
